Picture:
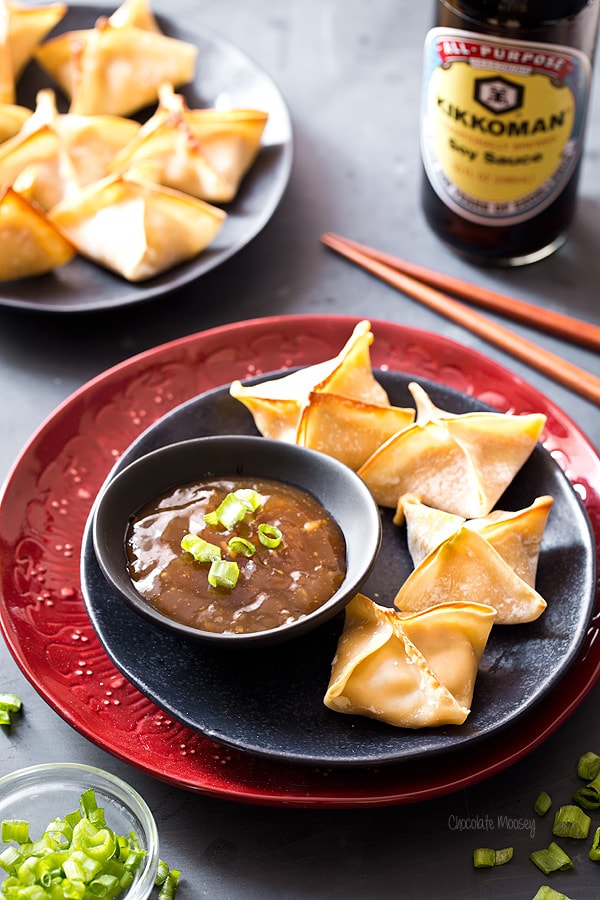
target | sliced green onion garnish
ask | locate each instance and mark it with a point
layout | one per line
(588, 797)
(250, 498)
(571, 821)
(223, 574)
(201, 550)
(162, 872)
(548, 893)
(484, 857)
(588, 766)
(228, 513)
(542, 804)
(594, 853)
(269, 535)
(9, 705)
(242, 546)
(552, 859)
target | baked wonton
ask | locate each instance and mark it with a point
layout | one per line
(277, 404)
(515, 535)
(115, 69)
(21, 30)
(466, 567)
(203, 152)
(30, 244)
(137, 230)
(415, 671)
(461, 463)
(12, 119)
(349, 430)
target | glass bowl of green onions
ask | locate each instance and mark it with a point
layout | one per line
(74, 831)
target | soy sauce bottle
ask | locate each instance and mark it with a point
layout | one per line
(504, 103)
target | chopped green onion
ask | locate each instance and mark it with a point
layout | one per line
(9, 705)
(77, 858)
(484, 857)
(162, 872)
(250, 498)
(169, 886)
(542, 804)
(594, 853)
(242, 546)
(230, 511)
(548, 893)
(552, 859)
(588, 797)
(571, 821)
(223, 574)
(588, 766)
(269, 535)
(201, 550)
(16, 830)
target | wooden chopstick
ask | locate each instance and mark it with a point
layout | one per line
(586, 334)
(561, 370)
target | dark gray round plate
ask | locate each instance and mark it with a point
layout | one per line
(222, 71)
(271, 702)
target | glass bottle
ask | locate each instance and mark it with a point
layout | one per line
(505, 96)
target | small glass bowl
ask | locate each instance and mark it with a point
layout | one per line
(41, 793)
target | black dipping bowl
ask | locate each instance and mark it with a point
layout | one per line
(336, 487)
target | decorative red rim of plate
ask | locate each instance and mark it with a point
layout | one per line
(48, 495)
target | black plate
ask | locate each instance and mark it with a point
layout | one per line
(270, 702)
(223, 72)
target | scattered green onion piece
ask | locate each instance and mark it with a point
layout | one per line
(162, 872)
(10, 702)
(201, 550)
(571, 821)
(484, 857)
(4, 717)
(242, 546)
(542, 804)
(588, 797)
(251, 499)
(269, 535)
(169, 886)
(594, 853)
(551, 859)
(588, 766)
(223, 574)
(548, 893)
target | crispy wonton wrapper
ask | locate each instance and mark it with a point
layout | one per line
(21, 30)
(415, 671)
(203, 152)
(458, 463)
(349, 430)
(30, 244)
(277, 404)
(117, 67)
(137, 230)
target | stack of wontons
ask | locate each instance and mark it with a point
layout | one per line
(134, 199)
(415, 665)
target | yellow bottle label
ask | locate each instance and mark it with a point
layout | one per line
(502, 123)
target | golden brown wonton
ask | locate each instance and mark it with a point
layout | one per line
(137, 230)
(29, 243)
(117, 67)
(203, 152)
(12, 119)
(277, 404)
(349, 430)
(491, 561)
(413, 671)
(458, 463)
(21, 30)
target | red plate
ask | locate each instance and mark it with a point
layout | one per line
(47, 497)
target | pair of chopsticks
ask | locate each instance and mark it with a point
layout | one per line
(433, 290)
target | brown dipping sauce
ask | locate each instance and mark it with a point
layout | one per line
(275, 586)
